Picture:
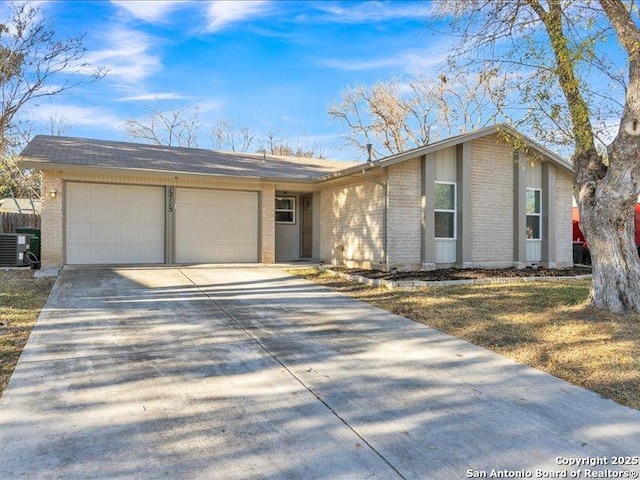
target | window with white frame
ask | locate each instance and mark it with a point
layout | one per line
(534, 214)
(445, 210)
(285, 209)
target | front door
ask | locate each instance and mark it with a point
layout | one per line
(306, 229)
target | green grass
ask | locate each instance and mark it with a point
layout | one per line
(21, 299)
(548, 326)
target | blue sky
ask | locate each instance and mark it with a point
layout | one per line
(268, 65)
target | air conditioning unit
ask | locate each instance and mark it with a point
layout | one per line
(14, 248)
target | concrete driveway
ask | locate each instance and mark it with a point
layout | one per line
(246, 372)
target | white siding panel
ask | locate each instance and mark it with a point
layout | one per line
(114, 224)
(287, 242)
(446, 165)
(445, 251)
(216, 226)
(534, 250)
(534, 175)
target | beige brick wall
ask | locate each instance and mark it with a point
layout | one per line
(351, 230)
(52, 225)
(491, 202)
(564, 195)
(404, 215)
(268, 224)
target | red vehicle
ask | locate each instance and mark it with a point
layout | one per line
(581, 249)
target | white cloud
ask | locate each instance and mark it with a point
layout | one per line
(76, 115)
(148, 10)
(409, 61)
(126, 55)
(211, 105)
(221, 14)
(375, 11)
(146, 97)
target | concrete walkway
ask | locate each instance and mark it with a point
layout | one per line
(245, 372)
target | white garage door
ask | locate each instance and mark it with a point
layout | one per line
(114, 224)
(216, 226)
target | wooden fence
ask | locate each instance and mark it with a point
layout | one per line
(10, 221)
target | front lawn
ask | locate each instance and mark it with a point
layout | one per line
(21, 299)
(545, 325)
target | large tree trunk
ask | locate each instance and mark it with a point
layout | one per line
(607, 218)
(607, 198)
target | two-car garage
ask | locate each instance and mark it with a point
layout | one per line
(132, 224)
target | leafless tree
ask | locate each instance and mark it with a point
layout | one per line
(25, 183)
(228, 135)
(35, 64)
(394, 116)
(175, 127)
(275, 145)
(556, 51)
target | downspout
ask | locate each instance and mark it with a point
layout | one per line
(385, 186)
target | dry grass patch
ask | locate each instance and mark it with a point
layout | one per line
(545, 325)
(21, 299)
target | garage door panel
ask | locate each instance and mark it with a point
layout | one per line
(149, 236)
(130, 194)
(153, 217)
(80, 232)
(216, 226)
(244, 218)
(204, 237)
(188, 214)
(78, 193)
(129, 214)
(128, 234)
(127, 253)
(105, 193)
(104, 212)
(83, 254)
(188, 197)
(79, 209)
(149, 252)
(207, 218)
(101, 254)
(152, 196)
(104, 233)
(114, 224)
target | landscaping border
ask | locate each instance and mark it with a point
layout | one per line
(409, 284)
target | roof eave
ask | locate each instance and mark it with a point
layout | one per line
(348, 171)
(467, 137)
(65, 167)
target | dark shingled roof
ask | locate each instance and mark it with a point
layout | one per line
(63, 151)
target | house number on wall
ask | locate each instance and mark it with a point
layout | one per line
(170, 199)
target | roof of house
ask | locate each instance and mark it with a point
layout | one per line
(456, 140)
(68, 151)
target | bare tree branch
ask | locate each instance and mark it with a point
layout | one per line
(227, 135)
(176, 127)
(31, 58)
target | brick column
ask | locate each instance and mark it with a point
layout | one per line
(52, 222)
(268, 224)
(403, 215)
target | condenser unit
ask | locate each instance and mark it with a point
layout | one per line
(14, 248)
